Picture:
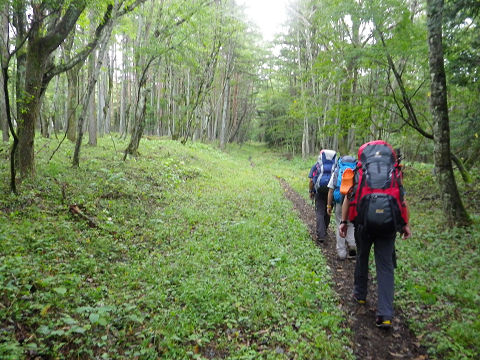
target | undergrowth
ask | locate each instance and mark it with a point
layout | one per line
(187, 252)
(439, 287)
(184, 252)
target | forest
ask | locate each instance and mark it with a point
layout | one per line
(154, 194)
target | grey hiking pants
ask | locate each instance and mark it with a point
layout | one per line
(323, 219)
(383, 247)
(343, 244)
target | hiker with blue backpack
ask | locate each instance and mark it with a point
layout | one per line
(319, 176)
(376, 206)
(345, 245)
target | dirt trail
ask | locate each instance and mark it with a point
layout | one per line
(369, 342)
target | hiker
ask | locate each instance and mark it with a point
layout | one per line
(375, 204)
(345, 245)
(319, 176)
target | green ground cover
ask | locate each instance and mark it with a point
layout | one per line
(194, 253)
(439, 269)
(197, 254)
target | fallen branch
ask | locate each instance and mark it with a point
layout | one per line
(76, 211)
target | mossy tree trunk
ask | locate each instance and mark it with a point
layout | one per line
(455, 213)
(139, 125)
(4, 55)
(40, 45)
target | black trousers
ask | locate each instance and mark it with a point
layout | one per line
(323, 219)
(384, 252)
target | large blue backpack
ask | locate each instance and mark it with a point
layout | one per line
(325, 165)
(345, 162)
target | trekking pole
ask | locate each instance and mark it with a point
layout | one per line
(399, 158)
(399, 155)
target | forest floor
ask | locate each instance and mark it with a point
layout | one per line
(369, 342)
(189, 252)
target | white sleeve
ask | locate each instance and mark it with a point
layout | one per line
(333, 179)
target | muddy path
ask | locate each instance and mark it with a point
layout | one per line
(369, 342)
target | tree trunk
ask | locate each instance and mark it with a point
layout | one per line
(13, 187)
(72, 103)
(123, 96)
(305, 135)
(173, 106)
(30, 111)
(92, 116)
(43, 117)
(45, 35)
(19, 22)
(455, 213)
(57, 111)
(3, 113)
(336, 140)
(4, 55)
(40, 45)
(217, 110)
(139, 124)
(101, 103)
(223, 126)
(159, 110)
(142, 89)
(72, 94)
(109, 85)
(241, 117)
(92, 80)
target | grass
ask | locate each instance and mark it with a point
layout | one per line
(194, 254)
(438, 270)
(438, 274)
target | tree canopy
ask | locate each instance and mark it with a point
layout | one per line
(342, 73)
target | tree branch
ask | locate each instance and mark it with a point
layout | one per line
(412, 119)
(463, 171)
(117, 12)
(54, 70)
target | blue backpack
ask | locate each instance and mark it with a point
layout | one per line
(345, 162)
(325, 165)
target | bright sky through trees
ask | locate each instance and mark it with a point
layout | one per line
(269, 15)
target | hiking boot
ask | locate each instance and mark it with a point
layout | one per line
(352, 252)
(320, 240)
(358, 300)
(383, 323)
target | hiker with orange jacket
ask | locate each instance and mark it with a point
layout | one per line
(375, 204)
(345, 245)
